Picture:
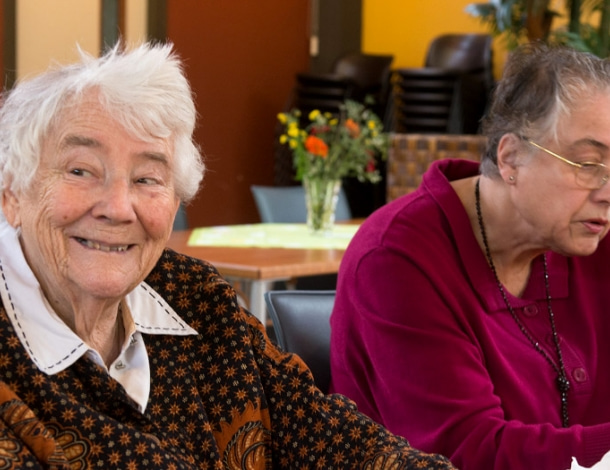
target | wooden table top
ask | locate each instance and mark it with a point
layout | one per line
(260, 263)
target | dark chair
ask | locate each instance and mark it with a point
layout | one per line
(463, 52)
(369, 75)
(301, 323)
(322, 92)
(424, 99)
(286, 204)
(181, 221)
(450, 93)
(354, 75)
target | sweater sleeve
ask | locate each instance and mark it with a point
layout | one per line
(24, 439)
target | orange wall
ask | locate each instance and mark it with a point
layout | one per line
(241, 62)
(406, 27)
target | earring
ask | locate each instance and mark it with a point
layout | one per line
(511, 178)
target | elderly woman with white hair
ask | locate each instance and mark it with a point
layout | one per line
(114, 351)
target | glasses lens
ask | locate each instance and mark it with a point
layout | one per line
(591, 176)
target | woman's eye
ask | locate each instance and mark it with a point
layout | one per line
(80, 172)
(147, 181)
(591, 168)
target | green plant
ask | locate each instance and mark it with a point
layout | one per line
(335, 147)
(519, 21)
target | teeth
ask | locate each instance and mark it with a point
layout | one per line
(106, 248)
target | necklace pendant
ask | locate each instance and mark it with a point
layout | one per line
(563, 384)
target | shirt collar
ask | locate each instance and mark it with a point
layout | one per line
(51, 344)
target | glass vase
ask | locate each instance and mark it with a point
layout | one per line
(321, 195)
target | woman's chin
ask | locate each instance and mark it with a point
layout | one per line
(105, 287)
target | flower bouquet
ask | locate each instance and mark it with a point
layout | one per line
(331, 147)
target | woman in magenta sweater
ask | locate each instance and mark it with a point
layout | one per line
(473, 315)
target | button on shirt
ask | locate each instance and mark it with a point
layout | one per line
(53, 346)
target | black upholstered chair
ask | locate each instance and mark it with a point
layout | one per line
(450, 93)
(301, 323)
(354, 75)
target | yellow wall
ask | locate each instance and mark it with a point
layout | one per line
(48, 30)
(405, 28)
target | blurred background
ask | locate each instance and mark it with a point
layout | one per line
(241, 58)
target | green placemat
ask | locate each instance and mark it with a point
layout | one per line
(272, 236)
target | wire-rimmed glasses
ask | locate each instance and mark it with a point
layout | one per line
(589, 175)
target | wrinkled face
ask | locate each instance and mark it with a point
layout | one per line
(564, 216)
(99, 211)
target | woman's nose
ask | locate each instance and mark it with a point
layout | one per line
(116, 201)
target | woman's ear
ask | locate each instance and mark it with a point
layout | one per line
(510, 152)
(10, 207)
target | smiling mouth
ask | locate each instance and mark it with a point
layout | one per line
(101, 247)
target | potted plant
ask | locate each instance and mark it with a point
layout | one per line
(519, 21)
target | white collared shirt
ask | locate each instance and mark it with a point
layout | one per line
(53, 346)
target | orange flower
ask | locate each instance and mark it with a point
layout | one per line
(352, 127)
(316, 146)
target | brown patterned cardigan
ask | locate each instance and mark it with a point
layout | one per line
(225, 399)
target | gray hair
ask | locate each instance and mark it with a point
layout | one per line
(145, 89)
(540, 85)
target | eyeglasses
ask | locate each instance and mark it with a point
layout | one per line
(589, 175)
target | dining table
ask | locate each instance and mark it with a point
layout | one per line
(254, 256)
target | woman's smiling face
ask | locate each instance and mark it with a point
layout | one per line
(100, 208)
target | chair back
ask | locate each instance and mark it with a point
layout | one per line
(370, 74)
(301, 322)
(463, 52)
(326, 93)
(450, 94)
(181, 220)
(354, 75)
(423, 99)
(410, 155)
(286, 204)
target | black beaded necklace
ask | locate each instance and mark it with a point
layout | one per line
(563, 384)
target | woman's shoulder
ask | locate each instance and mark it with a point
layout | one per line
(191, 286)
(402, 224)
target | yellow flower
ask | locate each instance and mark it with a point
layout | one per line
(283, 139)
(333, 122)
(293, 130)
(292, 144)
(314, 114)
(282, 118)
(371, 125)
